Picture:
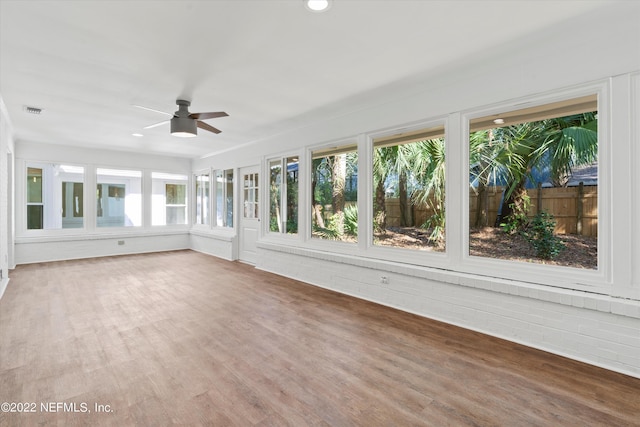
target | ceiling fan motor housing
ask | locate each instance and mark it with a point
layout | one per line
(181, 123)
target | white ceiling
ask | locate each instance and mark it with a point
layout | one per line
(272, 65)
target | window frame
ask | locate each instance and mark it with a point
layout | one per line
(214, 198)
(106, 228)
(398, 254)
(305, 226)
(599, 280)
(283, 162)
(198, 200)
(51, 199)
(170, 178)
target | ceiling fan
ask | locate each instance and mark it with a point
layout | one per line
(184, 123)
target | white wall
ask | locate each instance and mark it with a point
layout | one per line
(6, 197)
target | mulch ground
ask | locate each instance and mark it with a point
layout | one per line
(490, 242)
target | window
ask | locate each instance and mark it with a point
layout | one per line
(534, 184)
(35, 204)
(169, 198)
(224, 198)
(334, 189)
(283, 195)
(409, 190)
(118, 198)
(250, 194)
(202, 199)
(55, 196)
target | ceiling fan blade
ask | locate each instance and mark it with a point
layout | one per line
(157, 124)
(151, 109)
(204, 116)
(203, 125)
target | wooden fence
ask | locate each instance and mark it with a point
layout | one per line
(575, 209)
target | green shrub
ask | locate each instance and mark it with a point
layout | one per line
(539, 234)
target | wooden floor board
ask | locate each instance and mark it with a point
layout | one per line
(181, 338)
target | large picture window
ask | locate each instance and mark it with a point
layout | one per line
(55, 196)
(118, 198)
(169, 198)
(409, 190)
(334, 190)
(283, 195)
(534, 184)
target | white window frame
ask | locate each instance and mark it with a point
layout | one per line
(305, 223)
(171, 179)
(214, 198)
(568, 277)
(124, 180)
(197, 200)
(411, 256)
(284, 214)
(51, 200)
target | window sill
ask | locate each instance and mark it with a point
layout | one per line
(110, 234)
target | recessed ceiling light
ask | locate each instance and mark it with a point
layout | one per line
(499, 121)
(317, 5)
(137, 134)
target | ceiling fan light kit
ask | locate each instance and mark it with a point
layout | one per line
(185, 124)
(184, 127)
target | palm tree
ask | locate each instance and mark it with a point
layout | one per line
(510, 154)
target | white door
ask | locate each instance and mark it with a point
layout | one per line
(249, 215)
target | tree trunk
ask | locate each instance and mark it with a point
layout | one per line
(338, 179)
(482, 208)
(379, 208)
(315, 206)
(405, 212)
(515, 203)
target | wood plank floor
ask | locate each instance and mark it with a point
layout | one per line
(181, 338)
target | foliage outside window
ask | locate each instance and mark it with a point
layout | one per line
(118, 198)
(55, 196)
(409, 190)
(534, 184)
(169, 198)
(334, 189)
(283, 195)
(224, 198)
(202, 198)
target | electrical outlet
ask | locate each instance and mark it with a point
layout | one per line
(384, 280)
(120, 242)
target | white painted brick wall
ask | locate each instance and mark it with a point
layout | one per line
(592, 328)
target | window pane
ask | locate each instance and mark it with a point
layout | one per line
(169, 198)
(292, 194)
(202, 199)
(224, 198)
(275, 188)
(34, 185)
(34, 217)
(409, 190)
(250, 194)
(176, 204)
(72, 204)
(118, 198)
(534, 184)
(334, 188)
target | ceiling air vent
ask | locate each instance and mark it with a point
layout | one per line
(32, 110)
